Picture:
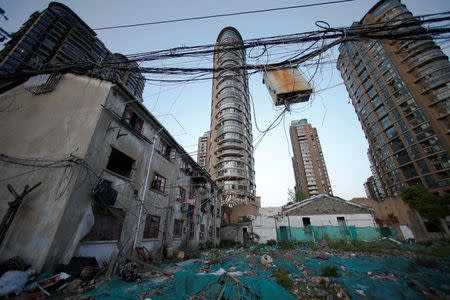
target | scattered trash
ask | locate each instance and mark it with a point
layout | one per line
(14, 281)
(395, 241)
(188, 262)
(266, 260)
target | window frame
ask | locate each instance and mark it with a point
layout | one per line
(159, 183)
(130, 113)
(178, 228)
(151, 231)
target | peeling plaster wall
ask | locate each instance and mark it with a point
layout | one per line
(49, 126)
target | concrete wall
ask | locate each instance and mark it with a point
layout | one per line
(395, 206)
(358, 220)
(58, 214)
(264, 224)
(41, 127)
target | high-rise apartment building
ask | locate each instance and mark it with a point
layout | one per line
(203, 150)
(57, 37)
(311, 176)
(230, 158)
(400, 91)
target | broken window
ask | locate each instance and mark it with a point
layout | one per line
(191, 233)
(159, 183)
(341, 221)
(164, 149)
(177, 228)
(120, 163)
(107, 225)
(151, 228)
(202, 231)
(181, 193)
(306, 222)
(132, 118)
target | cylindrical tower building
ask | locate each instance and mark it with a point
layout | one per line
(231, 162)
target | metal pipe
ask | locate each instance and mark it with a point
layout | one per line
(144, 188)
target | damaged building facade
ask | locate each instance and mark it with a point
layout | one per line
(112, 176)
(107, 177)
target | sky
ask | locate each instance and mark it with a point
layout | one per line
(185, 108)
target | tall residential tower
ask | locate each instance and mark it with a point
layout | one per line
(400, 91)
(230, 153)
(311, 176)
(55, 38)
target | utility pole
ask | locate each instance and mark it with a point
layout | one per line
(13, 208)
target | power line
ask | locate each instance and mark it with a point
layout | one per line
(222, 15)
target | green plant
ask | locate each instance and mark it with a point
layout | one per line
(329, 271)
(271, 242)
(426, 203)
(286, 245)
(226, 244)
(283, 279)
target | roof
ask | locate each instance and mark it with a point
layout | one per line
(323, 204)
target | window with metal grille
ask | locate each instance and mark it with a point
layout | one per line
(151, 228)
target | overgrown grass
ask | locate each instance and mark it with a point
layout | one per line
(286, 245)
(329, 271)
(360, 246)
(283, 279)
(227, 244)
(271, 242)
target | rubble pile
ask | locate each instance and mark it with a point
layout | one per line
(307, 271)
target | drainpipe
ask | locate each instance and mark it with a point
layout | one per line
(144, 188)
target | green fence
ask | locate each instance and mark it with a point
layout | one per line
(314, 233)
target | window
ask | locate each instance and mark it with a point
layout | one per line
(177, 228)
(120, 163)
(164, 148)
(181, 193)
(210, 233)
(151, 228)
(159, 183)
(192, 231)
(217, 232)
(131, 118)
(202, 231)
(107, 224)
(306, 222)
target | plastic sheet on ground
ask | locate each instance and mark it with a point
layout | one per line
(363, 278)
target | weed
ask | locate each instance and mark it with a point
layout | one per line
(329, 271)
(271, 242)
(286, 245)
(226, 244)
(425, 262)
(283, 279)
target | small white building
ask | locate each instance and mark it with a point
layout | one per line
(264, 223)
(317, 218)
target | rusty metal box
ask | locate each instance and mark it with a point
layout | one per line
(287, 86)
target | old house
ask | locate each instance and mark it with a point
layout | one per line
(112, 178)
(324, 216)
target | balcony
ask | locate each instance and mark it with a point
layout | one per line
(231, 116)
(230, 152)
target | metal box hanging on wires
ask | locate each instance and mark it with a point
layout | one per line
(287, 86)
